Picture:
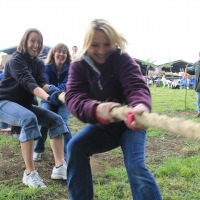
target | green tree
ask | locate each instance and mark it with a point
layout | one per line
(168, 65)
(149, 65)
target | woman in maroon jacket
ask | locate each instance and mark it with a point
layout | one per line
(103, 77)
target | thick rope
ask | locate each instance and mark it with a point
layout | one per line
(186, 128)
(61, 97)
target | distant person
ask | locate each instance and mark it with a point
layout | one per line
(74, 52)
(191, 82)
(164, 81)
(23, 79)
(56, 74)
(104, 77)
(4, 126)
(195, 70)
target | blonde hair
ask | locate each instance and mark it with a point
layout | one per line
(50, 57)
(117, 39)
(22, 47)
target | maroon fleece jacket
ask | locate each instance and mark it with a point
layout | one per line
(118, 80)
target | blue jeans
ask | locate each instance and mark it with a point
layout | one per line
(29, 120)
(92, 140)
(4, 125)
(62, 111)
(198, 101)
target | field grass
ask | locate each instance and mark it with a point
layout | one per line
(174, 161)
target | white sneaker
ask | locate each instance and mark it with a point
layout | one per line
(37, 156)
(59, 173)
(33, 180)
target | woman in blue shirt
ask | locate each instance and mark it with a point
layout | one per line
(56, 74)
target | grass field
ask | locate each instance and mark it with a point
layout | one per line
(173, 160)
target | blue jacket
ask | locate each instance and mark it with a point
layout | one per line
(1, 76)
(52, 77)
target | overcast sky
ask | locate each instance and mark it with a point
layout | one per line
(160, 30)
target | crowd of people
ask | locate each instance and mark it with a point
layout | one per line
(89, 80)
(172, 83)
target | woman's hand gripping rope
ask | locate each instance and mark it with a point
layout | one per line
(143, 120)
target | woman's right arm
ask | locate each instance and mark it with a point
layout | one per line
(77, 97)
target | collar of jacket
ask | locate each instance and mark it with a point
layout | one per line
(91, 63)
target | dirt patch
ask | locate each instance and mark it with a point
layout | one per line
(157, 150)
(182, 114)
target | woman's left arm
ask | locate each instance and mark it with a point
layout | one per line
(135, 89)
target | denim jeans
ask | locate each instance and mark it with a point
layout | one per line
(93, 139)
(4, 125)
(198, 101)
(62, 111)
(29, 120)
